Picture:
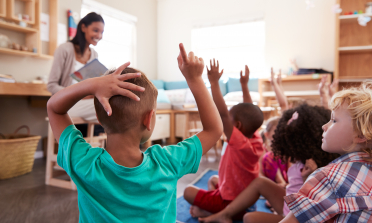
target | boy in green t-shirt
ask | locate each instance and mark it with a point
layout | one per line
(120, 183)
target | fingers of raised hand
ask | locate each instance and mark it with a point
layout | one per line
(128, 76)
(221, 72)
(121, 68)
(183, 53)
(218, 65)
(106, 105)
(130, 86)
(191, 56)
(246, 70)
(127, 93)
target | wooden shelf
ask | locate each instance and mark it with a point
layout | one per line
(355, 49)
(17, 52)
(354, 79)
(292, 93)
(29, 10)
(351, 18)
(17, 28)
(46, 57)
(23, 89)
(300, 77)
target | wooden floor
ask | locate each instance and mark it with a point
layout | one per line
(26, 199)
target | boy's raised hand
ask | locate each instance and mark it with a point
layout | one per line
(323, 86)
(191, 66)
(244, 79)
(113, 84)
(213, 74)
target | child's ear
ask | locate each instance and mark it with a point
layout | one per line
(360, 139)
(148, 117)
(238, 125)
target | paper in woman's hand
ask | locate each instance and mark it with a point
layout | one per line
(91, 69)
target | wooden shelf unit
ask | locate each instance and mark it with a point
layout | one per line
(353, 54)
(29, 9)
(32, 31)
(2, 8)
(296, 86)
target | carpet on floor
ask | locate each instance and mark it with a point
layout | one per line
(183, 214)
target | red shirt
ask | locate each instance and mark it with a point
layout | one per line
(239, 164)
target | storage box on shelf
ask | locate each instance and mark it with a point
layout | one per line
(353, 56)
(31, 32)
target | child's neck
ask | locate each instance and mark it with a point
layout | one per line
(124, 148)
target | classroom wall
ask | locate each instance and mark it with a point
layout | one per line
(292, 31)
(15, 111)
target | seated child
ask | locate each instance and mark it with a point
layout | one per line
(272, 167)
(297, 139)
(341, 191)
(120, 183)
(240, 161)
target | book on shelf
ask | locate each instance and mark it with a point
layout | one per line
(7, 78)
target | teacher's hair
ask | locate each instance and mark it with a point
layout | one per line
(79, 38)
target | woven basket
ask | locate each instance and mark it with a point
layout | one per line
(17, 153)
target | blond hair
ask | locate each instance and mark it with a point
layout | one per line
(359, 105)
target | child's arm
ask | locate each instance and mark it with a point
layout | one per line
(324, 91)
(214, 77)
(192, 69)
(244, 82)
(290, 218)
(279, 179)
(279, 93)
(101, 87)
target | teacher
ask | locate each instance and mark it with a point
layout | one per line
(73, 55)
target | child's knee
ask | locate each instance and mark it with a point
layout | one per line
(249, 218)
(190, 193)
(213, 179)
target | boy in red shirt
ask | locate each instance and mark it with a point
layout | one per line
(240, 161)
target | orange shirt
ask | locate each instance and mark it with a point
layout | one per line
(239, 164)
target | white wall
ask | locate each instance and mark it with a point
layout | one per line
(15, 111)
(292, 31)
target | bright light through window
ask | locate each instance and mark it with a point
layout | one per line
(234, 46)
(118, 43)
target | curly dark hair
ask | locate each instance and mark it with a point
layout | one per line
(302, 138)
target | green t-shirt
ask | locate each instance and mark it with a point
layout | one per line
(108, 192)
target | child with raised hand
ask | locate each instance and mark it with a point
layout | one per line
(120, 183)
(239, 164)
(276, 84)
(342, 190)
(297, 138)
(326, 90)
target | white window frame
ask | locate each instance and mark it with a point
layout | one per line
(115, 13)
(256, 18)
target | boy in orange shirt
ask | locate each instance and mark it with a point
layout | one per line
(240, 161)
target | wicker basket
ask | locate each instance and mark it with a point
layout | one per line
(17, 153)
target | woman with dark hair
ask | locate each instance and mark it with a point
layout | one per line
(72, 56)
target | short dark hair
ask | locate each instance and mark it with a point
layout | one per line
(302, 138)
(127, 113)
(79, 38)
(249, 115)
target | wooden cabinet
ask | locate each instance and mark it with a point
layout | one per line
(28, 35)
(353, 56)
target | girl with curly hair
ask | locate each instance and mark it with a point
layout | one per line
(341, 191)
(297, 138)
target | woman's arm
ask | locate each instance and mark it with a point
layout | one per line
(56, 71)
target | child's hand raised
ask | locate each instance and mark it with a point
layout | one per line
(244, 79)
(113, 84)
(213, 74)
(323, 86)
(191, 66)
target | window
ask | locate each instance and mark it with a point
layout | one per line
(118, 44)
(234, 46)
